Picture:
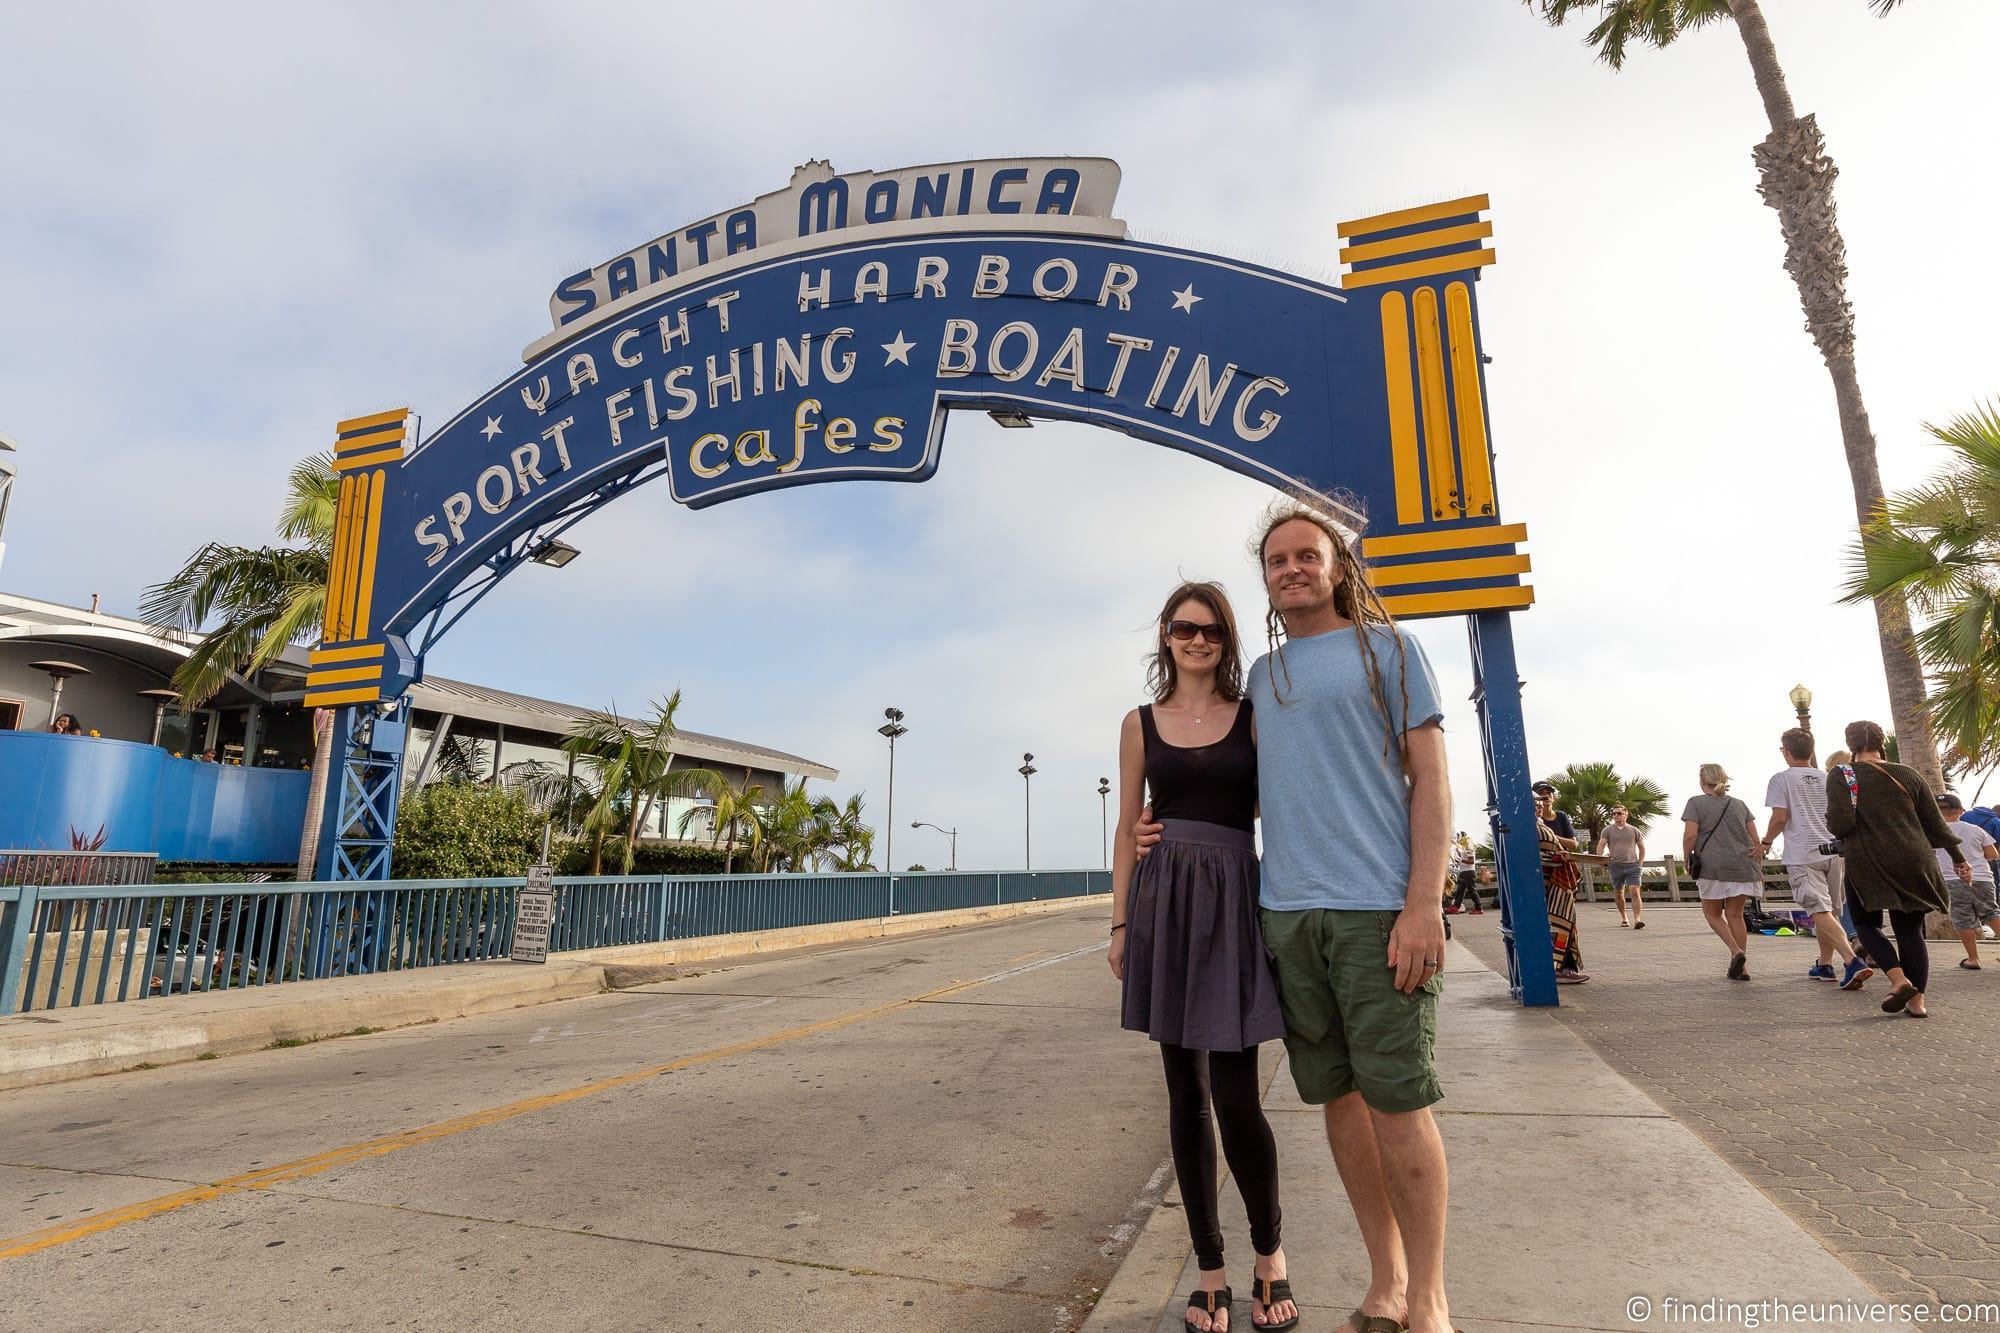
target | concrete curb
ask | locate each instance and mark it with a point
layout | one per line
(57, 1045)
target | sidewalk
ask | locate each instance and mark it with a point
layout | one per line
(1572, 1194)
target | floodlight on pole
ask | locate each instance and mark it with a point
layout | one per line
(1104, 819)
(892, 727)
(1027, 770)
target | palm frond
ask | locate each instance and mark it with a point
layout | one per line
(1620, 23)
(312, 495)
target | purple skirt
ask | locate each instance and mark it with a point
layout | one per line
(1196, 973)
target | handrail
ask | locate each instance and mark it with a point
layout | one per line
(63, 945)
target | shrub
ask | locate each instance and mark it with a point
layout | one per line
(455, 830)
(649, 858)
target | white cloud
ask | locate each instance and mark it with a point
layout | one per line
(228, 226)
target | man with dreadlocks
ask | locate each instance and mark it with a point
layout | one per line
(1356, 823)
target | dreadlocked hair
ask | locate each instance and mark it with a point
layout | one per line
(1354, 599)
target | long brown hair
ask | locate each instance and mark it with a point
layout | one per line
(1162, 676)
(1354, 598)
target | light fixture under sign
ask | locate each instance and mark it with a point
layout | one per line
(555, 554)
(1012, 420)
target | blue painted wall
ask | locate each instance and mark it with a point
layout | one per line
(147, 800)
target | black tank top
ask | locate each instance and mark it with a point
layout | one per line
(1215, 783)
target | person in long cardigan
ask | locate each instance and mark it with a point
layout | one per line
(1888, 822)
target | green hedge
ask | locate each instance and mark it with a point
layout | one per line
(455, 830)
(650, 858)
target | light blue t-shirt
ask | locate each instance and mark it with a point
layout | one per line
(1336, 817)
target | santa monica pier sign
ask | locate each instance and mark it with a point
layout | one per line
(827, 331)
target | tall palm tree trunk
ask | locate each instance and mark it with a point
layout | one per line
(316, 796)
(1796, 180)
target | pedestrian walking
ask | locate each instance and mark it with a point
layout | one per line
(1625, 845)
(1972, 904)
(1888, 822)
(1719, 843)
(1796, 796)
(1186, 943)
(1465, 876)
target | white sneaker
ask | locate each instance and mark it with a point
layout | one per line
(1986, 932)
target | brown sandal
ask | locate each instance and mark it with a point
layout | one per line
(1374, 1323)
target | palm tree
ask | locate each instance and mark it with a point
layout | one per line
(632, 767)
(265, 600)
(796, 828)
(1589, 791)
(731, 815)
(1938, 545)
(853, 839)
(1796, 179)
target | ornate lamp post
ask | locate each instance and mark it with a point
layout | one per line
(1801, 698)
(951, 833)
(1104, 819)
(892, 728)
(1027, 770)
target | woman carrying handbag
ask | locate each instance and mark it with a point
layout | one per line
(1888, 824)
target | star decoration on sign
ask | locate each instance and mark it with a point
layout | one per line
(1185, 298)
(899, 350)
(492, 428)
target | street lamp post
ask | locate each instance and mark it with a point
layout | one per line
(951, 833)
(1104, 819)
(1801, 698)
(891, 728)
(1027, 770)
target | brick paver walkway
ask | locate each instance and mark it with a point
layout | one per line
(1879, 1134)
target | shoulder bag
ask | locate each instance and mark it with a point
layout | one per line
(1694, 857)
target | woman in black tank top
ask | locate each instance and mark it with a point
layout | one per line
(1185, 940)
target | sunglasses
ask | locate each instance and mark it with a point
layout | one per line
(1185, 630)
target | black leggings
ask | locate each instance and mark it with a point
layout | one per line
(1229, 1079)
(1909, 952)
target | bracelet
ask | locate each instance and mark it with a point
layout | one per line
(1118, 927)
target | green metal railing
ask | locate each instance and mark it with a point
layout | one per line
(64, 945)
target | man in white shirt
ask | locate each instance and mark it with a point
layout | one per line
(1797, 797)
(1971, 903)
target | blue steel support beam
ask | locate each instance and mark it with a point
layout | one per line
(359, 833)
(1524, 913)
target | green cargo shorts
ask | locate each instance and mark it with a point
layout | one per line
(1347, 1027)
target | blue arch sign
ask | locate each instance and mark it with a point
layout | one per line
(828, 331)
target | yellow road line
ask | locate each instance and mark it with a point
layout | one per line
(49, 1237)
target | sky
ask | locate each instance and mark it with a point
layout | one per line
(225, 227)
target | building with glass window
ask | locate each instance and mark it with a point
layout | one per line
(228, 782)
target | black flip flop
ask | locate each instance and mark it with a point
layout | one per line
(1969, 965)
(1211, 1302)
(1899, 997)
(1268, 1291)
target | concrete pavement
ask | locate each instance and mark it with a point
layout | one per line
(1877, 1134)
(54, 1045)
(941, 1131)
(935, 1132)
